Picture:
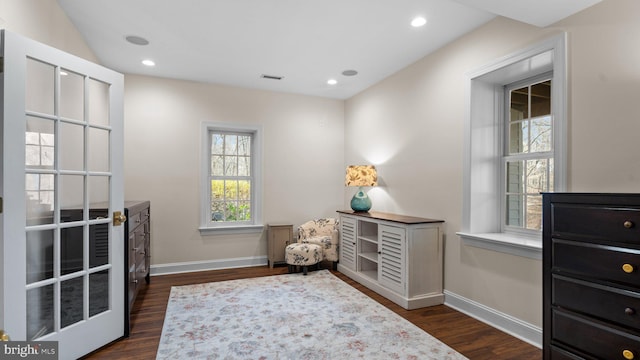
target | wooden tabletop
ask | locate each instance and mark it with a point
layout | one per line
(404, 219)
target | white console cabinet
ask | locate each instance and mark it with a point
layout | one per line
(399, 257)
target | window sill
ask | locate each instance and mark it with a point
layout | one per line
(520, 245)
(224, 230)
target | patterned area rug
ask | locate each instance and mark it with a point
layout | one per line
(291, 316)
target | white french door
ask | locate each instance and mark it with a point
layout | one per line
(62, 273)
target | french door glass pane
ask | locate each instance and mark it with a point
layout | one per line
(98, 103)
(71, 249)
(98, 292)
(40, 87)
(39, 195)
(98, 197)
(98, 150)
(71, 197)
(39, 143)
(39, 311)
(71, 95)
(98, 245)
(39, 255)
(71, 301)
(71, 143)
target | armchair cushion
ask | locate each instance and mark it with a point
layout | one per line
(322, 232)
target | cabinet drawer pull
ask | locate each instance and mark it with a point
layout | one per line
(628, 354)
(629, 311)
(628, 268)
(628, 224)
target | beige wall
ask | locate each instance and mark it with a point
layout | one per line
(411, 126)
(303, 147)
(44, 21)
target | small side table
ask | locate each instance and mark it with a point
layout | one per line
(278, 237)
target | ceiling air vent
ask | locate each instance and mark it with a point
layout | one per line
(271, 77)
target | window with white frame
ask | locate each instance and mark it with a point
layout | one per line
(231, 177)
(515, 147)
(528, 152)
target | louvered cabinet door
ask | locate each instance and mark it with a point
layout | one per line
(391, 271)
(348, 242)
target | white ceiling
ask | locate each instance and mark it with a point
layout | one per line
(234, 42)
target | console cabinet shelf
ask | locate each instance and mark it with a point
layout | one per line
(399, 257)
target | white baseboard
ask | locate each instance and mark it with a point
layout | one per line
(193, 266)
(499, 320)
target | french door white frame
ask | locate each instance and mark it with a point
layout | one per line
(92, 332)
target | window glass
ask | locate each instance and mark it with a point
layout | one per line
(231, 177)
(529, 153)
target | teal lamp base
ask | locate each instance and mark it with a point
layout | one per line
(360, 201)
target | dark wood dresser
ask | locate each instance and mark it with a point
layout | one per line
(591, 276)
(137, 258)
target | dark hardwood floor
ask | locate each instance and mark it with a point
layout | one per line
(472, 338)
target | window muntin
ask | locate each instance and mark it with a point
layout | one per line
(528, 159)
(231, 177)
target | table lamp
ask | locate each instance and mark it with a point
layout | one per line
(361, 175)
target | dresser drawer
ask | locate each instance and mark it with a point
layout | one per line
(596, 222)
(593, 338)
(144, 215)
(559, 354)
(604, 302)
(602, 262)
(134, 220)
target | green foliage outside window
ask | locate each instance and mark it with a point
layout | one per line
(230, 200)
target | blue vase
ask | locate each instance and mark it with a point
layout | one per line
(360, 201)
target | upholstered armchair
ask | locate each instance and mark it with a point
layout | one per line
(323, 232)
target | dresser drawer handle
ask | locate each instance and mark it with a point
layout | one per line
(628, 354)
(628, 224)
(628, 268)
(629, 311)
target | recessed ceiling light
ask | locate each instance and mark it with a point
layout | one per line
(137, 40)
(148, 62)
(349, 73)
(418, 21)
(332, 81)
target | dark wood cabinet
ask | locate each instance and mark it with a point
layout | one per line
(137, 255)
(591, 276)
